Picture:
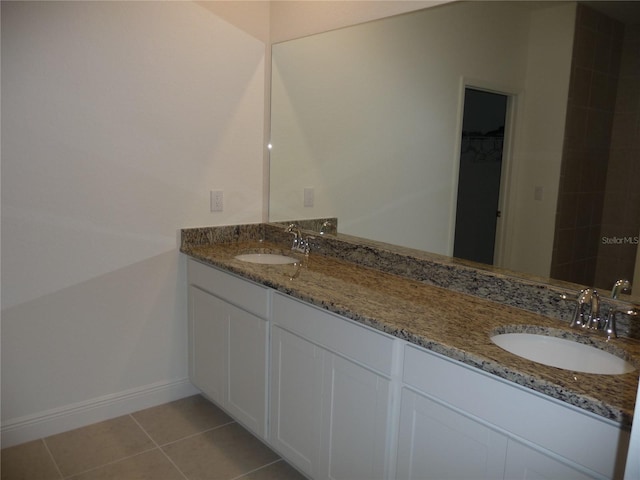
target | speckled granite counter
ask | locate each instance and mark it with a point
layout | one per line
(457, 325)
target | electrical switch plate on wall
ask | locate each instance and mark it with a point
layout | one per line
(217, 200)
(538, 193)
(308, 196)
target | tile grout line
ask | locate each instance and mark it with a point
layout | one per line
(159, 448)
(65, 477)
(112, 462)
(244, 475)
(53, 459)
(197, 433)
(156, 446)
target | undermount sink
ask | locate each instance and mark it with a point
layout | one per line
(562, 353)
(266, 258)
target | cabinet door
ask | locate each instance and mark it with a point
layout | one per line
(247, 369)
(526, 463)
(296, 391)
(354, 424)
(208, 343)
(439, 443)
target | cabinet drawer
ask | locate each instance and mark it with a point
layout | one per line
(237, 291)
(335, 333)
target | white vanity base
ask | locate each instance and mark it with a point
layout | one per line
(339, 400)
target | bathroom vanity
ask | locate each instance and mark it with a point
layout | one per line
(352, 372)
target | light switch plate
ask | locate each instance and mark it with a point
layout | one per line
(308, 196)
(538, 193)
(217, 200)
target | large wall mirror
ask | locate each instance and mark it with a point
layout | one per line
(404, 127)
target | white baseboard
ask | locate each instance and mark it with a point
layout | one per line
(58, 420)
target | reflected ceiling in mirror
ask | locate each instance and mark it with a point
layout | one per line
(368, 121)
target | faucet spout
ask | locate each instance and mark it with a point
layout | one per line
(610, 326)
(327, 227)
(300, 244)
(582, 318)
(621, 285)
(294, 229)
(594, 313)
(578, 319)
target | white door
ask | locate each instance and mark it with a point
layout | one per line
(525, 463)
(439, 443)
(208, 343)
(247, 369)
(296, 392)
(355, 412)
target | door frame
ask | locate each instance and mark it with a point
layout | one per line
(505, 196)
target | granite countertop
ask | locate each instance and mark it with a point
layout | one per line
(453, 324)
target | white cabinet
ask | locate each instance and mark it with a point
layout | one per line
(524, 462)
(329, 411)
(355, 411)
(246, 397)
(228, 344)
(296, 390)
(208, 349)
(436, 442)
(343, 401)
(457, 418)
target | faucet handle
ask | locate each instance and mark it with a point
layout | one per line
(594, 315)
(578, 319)
(610, 326)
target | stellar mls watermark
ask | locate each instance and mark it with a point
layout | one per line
(620, 240)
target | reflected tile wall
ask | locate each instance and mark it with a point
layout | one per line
(621, 214)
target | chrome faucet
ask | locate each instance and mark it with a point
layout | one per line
(294, 229)
(610, 326)
(326, 227)
(594, 315)
(621, 285)
(299, 243)
(592, 319)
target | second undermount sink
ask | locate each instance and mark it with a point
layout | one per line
(266, 258)
(562, 353)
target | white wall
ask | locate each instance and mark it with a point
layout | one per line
(541, 115)
(382, 156)
(296, 19)
(117, 120)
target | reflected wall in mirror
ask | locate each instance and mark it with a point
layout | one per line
(370, 118)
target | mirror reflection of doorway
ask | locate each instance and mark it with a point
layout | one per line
(481, 165)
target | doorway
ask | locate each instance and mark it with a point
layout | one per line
(480, 172)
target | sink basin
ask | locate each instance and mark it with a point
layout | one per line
(266, 258)
(562, 353)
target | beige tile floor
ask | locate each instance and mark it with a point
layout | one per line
(189, 439)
